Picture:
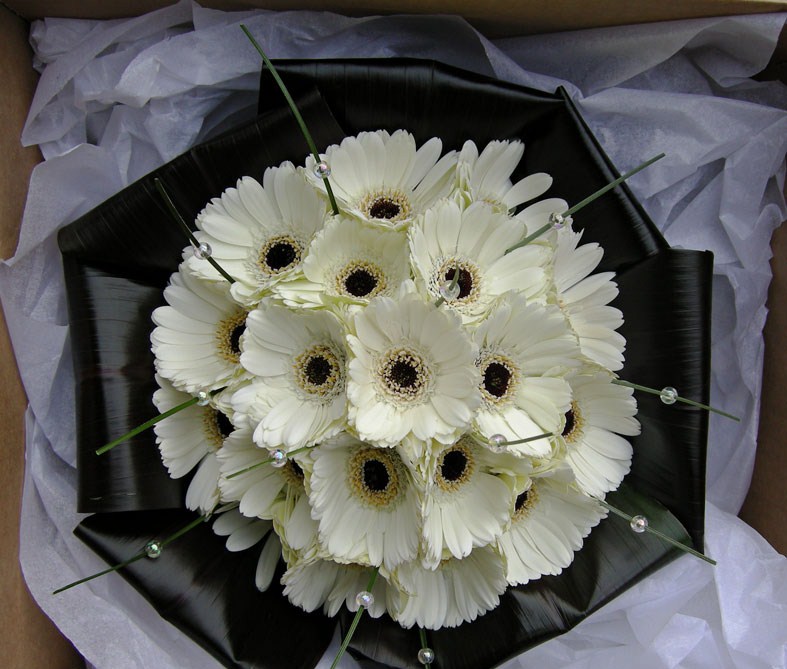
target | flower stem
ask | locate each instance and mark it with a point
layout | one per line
(173, 210)
(348, 637)
(660, 535)
(524, 441)
(136, 557)
(424, 643)
(267, 461)
(147, 424)
(587, 201)
(653, 391)
(295, 112)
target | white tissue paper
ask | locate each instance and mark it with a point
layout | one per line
(118, 98)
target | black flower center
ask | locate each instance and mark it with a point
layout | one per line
(521, 500)
(454, 465)
(570, 422)
(375, 475)
(496, 379)
(384, 207)
(403, 373)
(228, 336)
(280, 255)
(318, 370)
(465, 281)
(296, 469)
(234, 339)
(360, 283)
(223, 425)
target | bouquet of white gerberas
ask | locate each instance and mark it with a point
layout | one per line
(401, 379)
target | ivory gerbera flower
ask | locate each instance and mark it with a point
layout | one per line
(600, 411)
(298, 361)
(412, 373)
(457, 591)
(549, 521)
(585, 299)
(265, 491)
(366, 503)
(464, 504)
(348, 263)
(259, 233)
(487, 177)
(524, 352)
(382, 178)
(474, 242)
(197, 339)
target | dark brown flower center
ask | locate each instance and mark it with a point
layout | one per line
(375, 475)
(234, 339)
(465, 281)
(570, 422)
(403, 374)
(496, 378)
(319, 372)
(521, 500)
(384, 207)
(360, 282)
(318, 369)
(223, 425)
(280, 255)
(228, 336)
(454, 465)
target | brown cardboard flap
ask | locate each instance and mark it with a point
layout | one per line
(495, 17)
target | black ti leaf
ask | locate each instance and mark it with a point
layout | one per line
(118, 259)
(208, 592)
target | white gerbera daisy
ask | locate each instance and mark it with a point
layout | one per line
(474, 242)
(382, 178)
(412, 373)
(187, 436)
(457, 591)
(365, 502)
(549, 521)
(197, 339)
(312, 583)
(349, 262)
(524, 349)
(298, 360)
(599, 409)
(243, 533)
(585, 299)
(487, 177)
(265, 491)
(259, 233)
(464, 504)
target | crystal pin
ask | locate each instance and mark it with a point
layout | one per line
(153, 549)
(639, 524)
(203, 251)
(322, 170)
(426, 656)
(364, 598)
(668, 395)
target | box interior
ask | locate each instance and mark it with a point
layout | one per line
(32, 640)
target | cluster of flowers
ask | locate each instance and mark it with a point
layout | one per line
(395, 386)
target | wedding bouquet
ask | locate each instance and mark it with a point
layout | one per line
(393, 367)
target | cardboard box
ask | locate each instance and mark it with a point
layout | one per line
(26, 634)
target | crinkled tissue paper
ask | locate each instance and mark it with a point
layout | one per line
(116, 99)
